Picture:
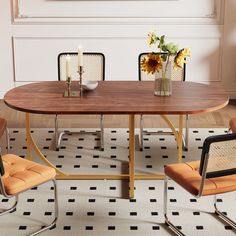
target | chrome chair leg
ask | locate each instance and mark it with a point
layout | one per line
(56, 133)
(53, 223)
(141, 133)
(165, 197)
(184, 144)
(167, 222)
(11, 208)
(8, 140)
(102, 133)
(185, 137)
(58, 136)
(223, 216)
(59, 139)
(186, 141)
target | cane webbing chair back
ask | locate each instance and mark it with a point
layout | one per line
(175, 75)
(94, 66)
(219, 156)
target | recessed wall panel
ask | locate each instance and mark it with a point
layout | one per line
(36, 58)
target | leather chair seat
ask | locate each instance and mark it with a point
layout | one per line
(3, 126)
(21, 174)
(187, 175)
(232, 124)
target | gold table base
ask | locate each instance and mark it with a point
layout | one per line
(131, 176)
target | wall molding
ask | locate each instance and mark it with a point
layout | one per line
(213, 14)
(31, 50)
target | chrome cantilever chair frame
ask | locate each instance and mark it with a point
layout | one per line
(101, 57)
(207, 174)
(141, 74)
(13, 208)
(8, 139)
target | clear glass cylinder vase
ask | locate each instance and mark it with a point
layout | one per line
(163, 83)
(162, 87)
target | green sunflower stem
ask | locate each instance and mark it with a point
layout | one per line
(164, 88)
(166, 66)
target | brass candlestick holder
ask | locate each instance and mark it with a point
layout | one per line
(69, 92)
(80, 71)
(68, 82)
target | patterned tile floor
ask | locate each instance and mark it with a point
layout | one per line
(102, 207)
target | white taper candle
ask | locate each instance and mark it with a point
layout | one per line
(67, 66)
(80, 56)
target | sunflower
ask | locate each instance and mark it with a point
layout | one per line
(151, 38)
(180, 58)
(152, 63)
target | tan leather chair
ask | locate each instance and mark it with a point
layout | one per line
(214, 174)
(18, 175)
(176, 75)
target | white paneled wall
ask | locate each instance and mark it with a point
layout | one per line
(33, 33)
(121, 56)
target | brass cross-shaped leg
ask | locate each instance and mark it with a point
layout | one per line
(131, 156)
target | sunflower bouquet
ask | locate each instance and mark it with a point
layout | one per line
(154, 62)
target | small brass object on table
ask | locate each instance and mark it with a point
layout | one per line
(80, 71)
(69, 92)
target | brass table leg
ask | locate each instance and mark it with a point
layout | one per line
(131, 156)
(31, 143)
(178, 134)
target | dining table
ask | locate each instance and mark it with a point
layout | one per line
(129, 98)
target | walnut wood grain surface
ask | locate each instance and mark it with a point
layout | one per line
(116, 97)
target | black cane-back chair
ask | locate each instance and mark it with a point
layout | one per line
(94, 69)
(176, 75)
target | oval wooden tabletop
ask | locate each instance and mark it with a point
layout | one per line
(116, 97)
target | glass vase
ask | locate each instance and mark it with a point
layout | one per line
(162, 87)
(162, 84)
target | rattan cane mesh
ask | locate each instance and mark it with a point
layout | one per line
(175, 75)
(93, 67)
(222, 156)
